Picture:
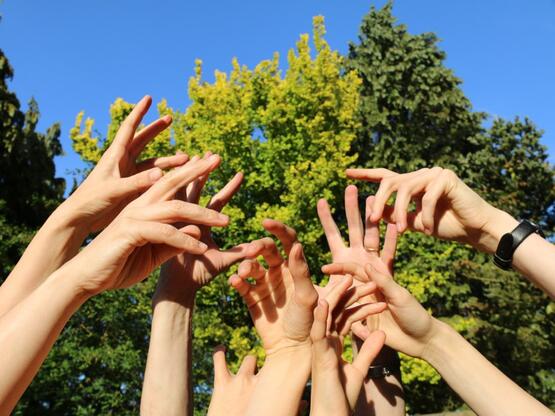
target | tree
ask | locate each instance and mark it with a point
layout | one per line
(29, 190)
(414, 114)
(290, 134)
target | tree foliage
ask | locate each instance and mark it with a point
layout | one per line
(29, 190)
(391, 102)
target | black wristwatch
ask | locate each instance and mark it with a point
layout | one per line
(384, 370)
(503, 256)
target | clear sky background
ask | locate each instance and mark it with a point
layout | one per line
(82, 55)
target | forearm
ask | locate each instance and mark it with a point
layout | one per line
(534, 258)
(281, 383)
(479, 383)
(381, 396)
(167, 387)
(28, 331)
(55, 243)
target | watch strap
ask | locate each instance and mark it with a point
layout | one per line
(509, 242)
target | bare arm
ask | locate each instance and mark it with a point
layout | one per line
(115, 181)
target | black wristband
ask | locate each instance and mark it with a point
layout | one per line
(503, 257)
(384, 370)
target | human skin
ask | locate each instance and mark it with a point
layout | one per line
(167, 387)
(382, 395)
(138, 240)
(118, 178)
(336, 383)
(410, 329)
(281, 304)
(448, 209)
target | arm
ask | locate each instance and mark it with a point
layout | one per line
(116, 179)
(281, 303)
(379, 396)
(167, 387)
(447, 208)
(125, 253)
(411, 330)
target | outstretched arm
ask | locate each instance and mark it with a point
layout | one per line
(447, 208)
(411, 330)
(167, 388)
(115, 181)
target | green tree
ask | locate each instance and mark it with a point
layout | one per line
(29, 190)
(413, 114)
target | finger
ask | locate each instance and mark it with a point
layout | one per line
(221, 372)
(157, 233)
(192, 230)
(137, 184)
(387, 187)
(305, 294)
(233, 255)
(369, 351)
(389, 247)
(353, 216)
(385, 282)
(354, 269)
(144, 136)
(166, 188)
(248, 366)
(196, 187)
(189, 188)
(243, 288)
(180, 211)
(221, 199)
(355, 293)
(436, 190)
(337, 291)
(318, 331)
(349, 316)
(129, 126)
(285, 234)
(370, 175)
(265, 247)
(412, 186)
(251, 268)
(166, 162)
(371, 228)
(333, 236)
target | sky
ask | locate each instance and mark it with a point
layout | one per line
(82, 55)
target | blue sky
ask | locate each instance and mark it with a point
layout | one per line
(81, 55)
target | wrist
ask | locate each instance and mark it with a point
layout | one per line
(499, 222)
(174, 287)
(63, 281)
(64, 219)
(438, 344)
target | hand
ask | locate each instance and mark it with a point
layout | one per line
(282, 299)
(364, 239)
(118, 177)
(336, 384)
(231, 392)
(445, 207)
(408, 327)
(186, 272)
(141, 237)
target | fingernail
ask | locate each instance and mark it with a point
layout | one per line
(155, 174)
(202, 246)
(400, 227)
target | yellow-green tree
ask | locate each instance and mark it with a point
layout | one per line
(290, 131)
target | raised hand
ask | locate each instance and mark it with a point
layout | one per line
(119, 176)
(282, 297)
(142, 237)
(408, 327)
(364, 238)
(190, 272)
(232, 392)
(445, 206)
(336, 384)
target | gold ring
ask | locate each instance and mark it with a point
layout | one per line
(372, 250)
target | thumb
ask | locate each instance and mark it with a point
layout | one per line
(369, 350)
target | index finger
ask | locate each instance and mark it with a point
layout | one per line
(370, 175)
(285, 234)
(221, 199)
